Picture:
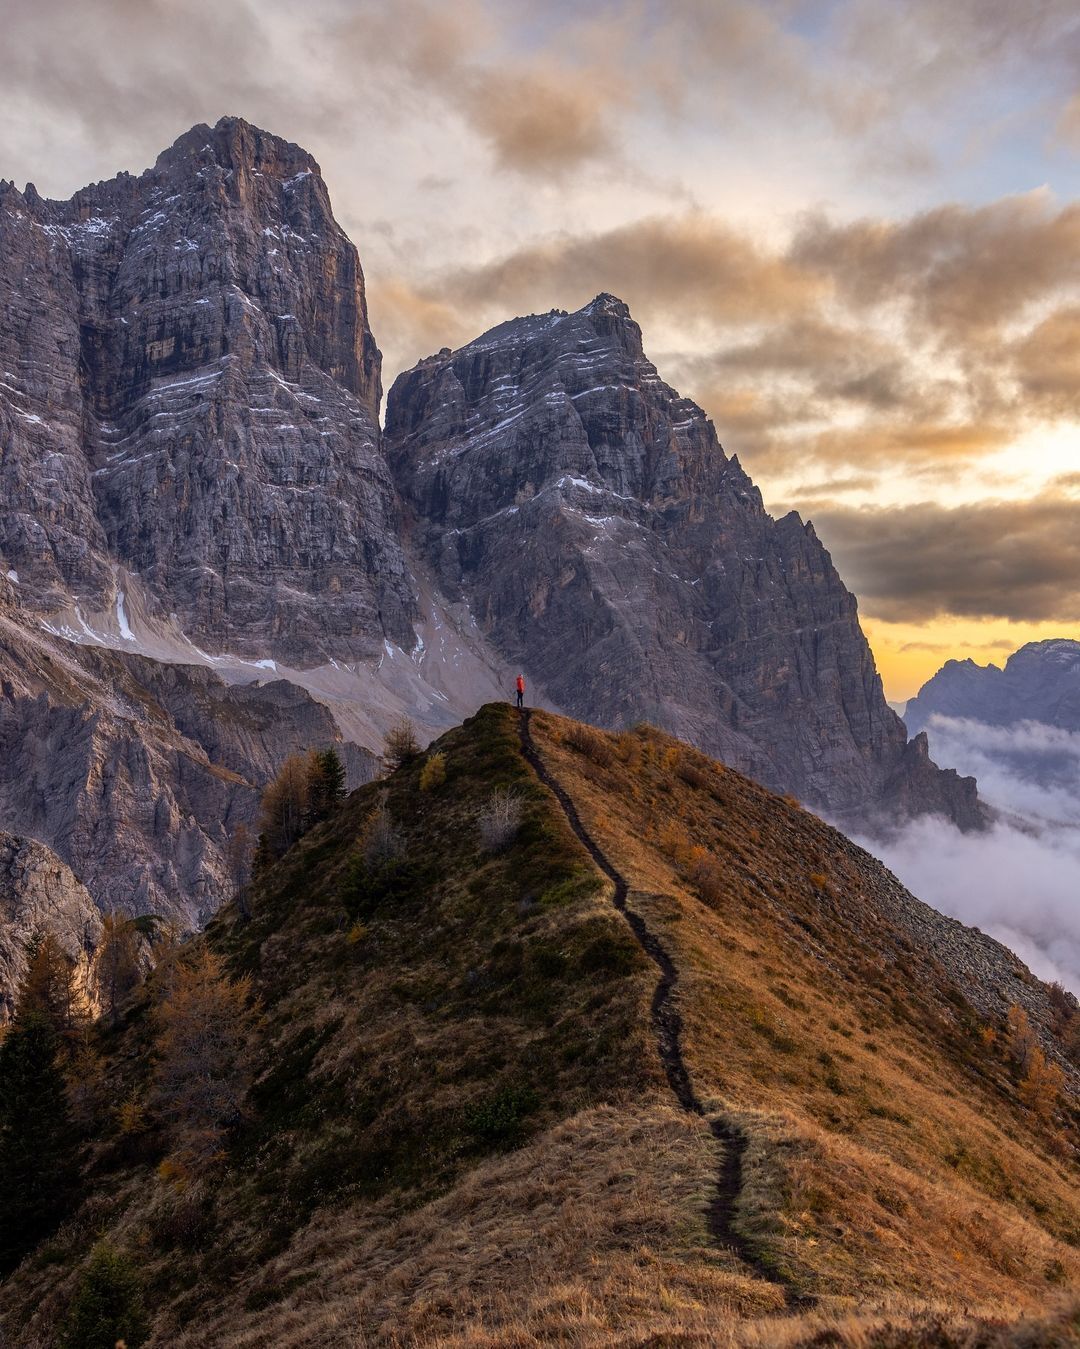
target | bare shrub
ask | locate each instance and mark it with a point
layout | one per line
(401, 745)
(708, 880)
(594, 744)
(693, 774)
(628, 749)
(1020, 1038)
(500, 819)
(381, 839)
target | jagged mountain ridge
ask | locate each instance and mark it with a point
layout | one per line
(135, 773)
(1039, 682)
(591, 519)
(191, 390)
(193, 475)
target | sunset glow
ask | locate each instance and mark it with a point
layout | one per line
(850, 233)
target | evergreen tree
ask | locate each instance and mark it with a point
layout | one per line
(48, 986)
(36, 1137)
(334, 774)
(108, 1307)
(326, 785)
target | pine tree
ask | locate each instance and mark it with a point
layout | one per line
(326, 785)
(200, 1079)
(36, 1169)
(317, 792)
(117, 971)
(108, 1306)
(334, 773)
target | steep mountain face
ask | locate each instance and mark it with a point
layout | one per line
(1040, 682)
(135, 773)
(607, 544)
(204, 564)
(189, 390)
(38, 892)
(676, 1063)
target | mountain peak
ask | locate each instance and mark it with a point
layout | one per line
(234, 143)
(606, 303)
(1039, 682)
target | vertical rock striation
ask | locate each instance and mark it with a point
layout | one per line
(189, 388)
(604, 541)
(37, 892)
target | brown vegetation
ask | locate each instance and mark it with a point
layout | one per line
(201, 1069)
(458, 1132)
(401, 745)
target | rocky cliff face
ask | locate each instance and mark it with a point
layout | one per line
(189, 388)
(38, 891)
(607, 544)
(1040, 682)
(193, 484)
(136, 774)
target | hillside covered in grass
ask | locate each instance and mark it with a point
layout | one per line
(655, 1057)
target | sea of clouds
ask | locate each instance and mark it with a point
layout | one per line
(1020, 882)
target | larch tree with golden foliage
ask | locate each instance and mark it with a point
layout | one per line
(284, 809)
(1020, 1038)
(1042, 1084)
(401, 745)
(200, 1078)
(49, 986)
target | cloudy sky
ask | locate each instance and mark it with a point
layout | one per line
(849, 228)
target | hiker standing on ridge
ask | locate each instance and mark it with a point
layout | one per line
(520, 691)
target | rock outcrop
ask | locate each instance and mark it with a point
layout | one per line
(1039, 682)
(189, 388)
(606, 543)
(136, 774)
(38, 891)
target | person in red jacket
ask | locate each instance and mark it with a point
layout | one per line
(521, 690)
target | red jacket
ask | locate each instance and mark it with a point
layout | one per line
(521, 683)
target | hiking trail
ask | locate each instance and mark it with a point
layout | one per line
(668, 1026)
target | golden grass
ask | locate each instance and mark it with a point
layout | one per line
(892, 1167)
(597, 1225)
(891, 1156)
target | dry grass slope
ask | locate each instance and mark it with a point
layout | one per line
(459, 1132)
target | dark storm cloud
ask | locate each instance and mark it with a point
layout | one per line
(1014, 560)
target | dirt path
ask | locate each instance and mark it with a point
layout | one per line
(668, 1026)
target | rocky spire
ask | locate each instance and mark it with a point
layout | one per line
(588, 515)
(191, 390)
